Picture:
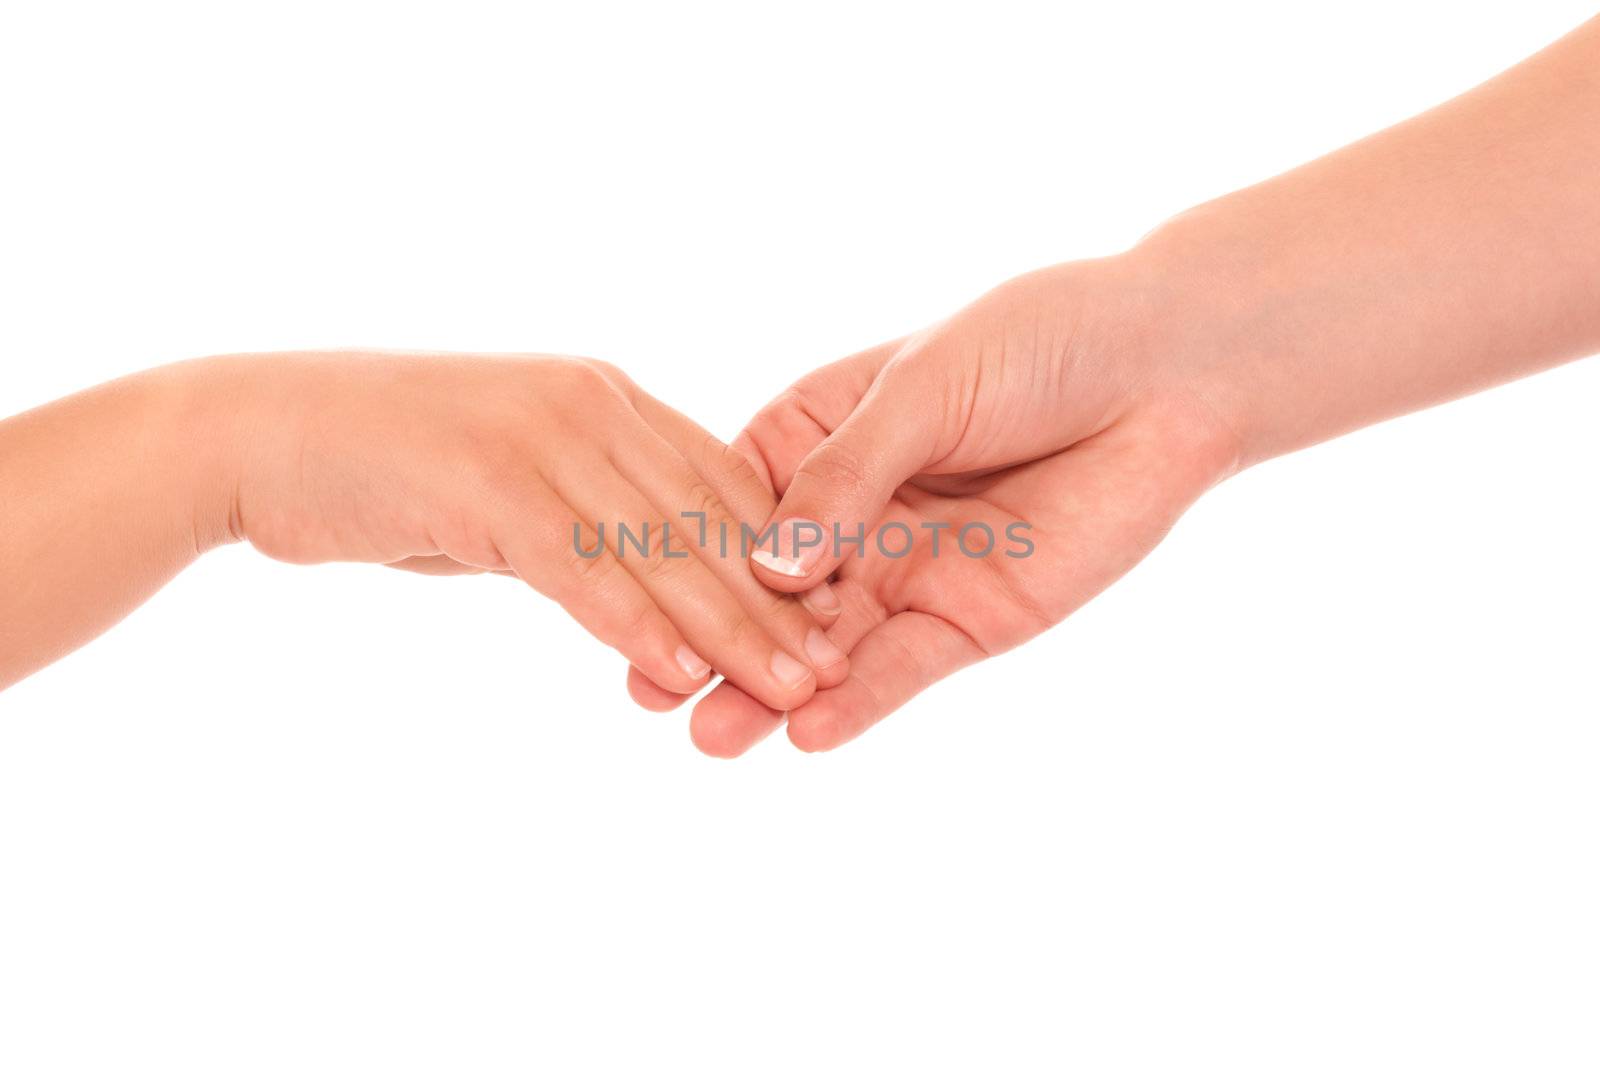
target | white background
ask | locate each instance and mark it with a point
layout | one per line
(1316, 786)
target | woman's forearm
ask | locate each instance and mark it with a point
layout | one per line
(1452, 252)
(104, 497)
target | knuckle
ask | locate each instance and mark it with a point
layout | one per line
(700, 498)
(715, 454)
(587, 572)
(613, 376)
(837, 465)
(811, 392)
(732, 464)
(585, 385)
(656, 564)
(739, 631)
(795, 398)
(657, 542)
(1018, 294)
(636, 621)
(796, 410)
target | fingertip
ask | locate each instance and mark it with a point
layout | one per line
(828, 662)
(650, 695)
(696, 670)
(683, 673)
(715, 742)
(728, 722)
(795, 562)
(828, 721)
(833, 675)
(814, 731)
(823, 603)
(793, 682)
(779, 575)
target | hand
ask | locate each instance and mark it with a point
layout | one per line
(1037, 404)
(446, 464)
(1043, 363)
(1449, 253)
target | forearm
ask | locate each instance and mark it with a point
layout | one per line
(1452, 252)
(104, 497)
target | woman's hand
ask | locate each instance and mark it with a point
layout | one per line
(1096, 400)
(1442, 256)
(439, 463)
(1048, 361)
(1090, 511)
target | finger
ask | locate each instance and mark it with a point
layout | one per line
(667, 480)
(714, 621)
(442, 565)
(789, 427)
(843, 484)
(599, 594)
(434, 565)
(728, 722)
(650, 695)
(735, 480)
(738, 485)
(892, 663)
(1096, 511)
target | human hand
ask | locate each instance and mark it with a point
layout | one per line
(1038, 404)
(1045, 362)
(1098, 399)
(453, 463)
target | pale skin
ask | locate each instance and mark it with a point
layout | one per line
(1099, 399)
(1095, 400)
(435, 463)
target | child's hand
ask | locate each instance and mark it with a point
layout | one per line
(446, 463)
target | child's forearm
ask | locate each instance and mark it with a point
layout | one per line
(1449, 253)
(104, 497)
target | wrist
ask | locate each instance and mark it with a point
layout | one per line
(1200, 289)
(1138, 355)
(223, 422)
(197, 449)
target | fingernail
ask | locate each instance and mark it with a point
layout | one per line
(821, 650)
(788, 671)
(788, 559)
(692, 664)
(822, 600)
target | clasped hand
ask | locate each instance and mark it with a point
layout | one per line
(1032, 416)
(1084, 406)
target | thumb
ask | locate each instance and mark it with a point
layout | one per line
(839, 492)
